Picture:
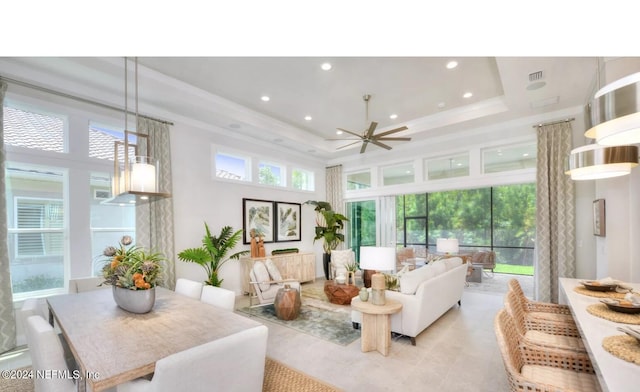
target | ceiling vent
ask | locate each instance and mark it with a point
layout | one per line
(535, 76)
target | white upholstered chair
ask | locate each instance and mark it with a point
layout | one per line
(80, 285)
(189, 288)
(217, 296)
(339, 261)
(234, 363)
(46, 353)
(266, 280)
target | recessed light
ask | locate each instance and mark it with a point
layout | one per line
(452, 64)
(526, 154)
(393, 116)
(326, 66)
(338, 132)
(265, 98)
(308, 118)
(468, 95)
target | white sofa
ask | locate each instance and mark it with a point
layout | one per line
(426, 293)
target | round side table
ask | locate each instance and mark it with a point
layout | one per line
(376, 324)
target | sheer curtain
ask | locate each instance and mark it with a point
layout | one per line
(154, 220)
(7, 316)
(555, 205)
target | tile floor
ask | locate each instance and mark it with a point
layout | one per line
(456, 353)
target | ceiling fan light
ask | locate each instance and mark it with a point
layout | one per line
(593, 161)
(452, 64)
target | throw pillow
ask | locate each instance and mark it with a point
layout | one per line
(410, 281)
(262, 275)
(273, 270)
(438, 267)
(452, 262)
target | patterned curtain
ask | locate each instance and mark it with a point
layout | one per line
(555, 206)
(334, 190)
(7, 316)
(154, 220)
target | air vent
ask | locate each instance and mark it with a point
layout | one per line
(100, 194)
(535, 76)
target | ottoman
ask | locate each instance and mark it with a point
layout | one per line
(340, 294)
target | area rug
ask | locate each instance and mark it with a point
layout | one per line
(278, 377)
(318, 317)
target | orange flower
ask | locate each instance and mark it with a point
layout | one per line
(141, 284)
(137, 276)
(114, 263)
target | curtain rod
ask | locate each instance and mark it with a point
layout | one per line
(331, 167)
(80, 99)
(553, 122)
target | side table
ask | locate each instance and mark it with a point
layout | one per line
(340, 294)
(476, 273)
(376, 324)
(287, 303)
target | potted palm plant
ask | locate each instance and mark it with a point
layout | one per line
(328, 226)
(211, 255)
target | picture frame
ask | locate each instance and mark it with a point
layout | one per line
(599, 218)
(258, 215)
(288, 221)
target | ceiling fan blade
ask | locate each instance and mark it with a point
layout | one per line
(377, 143)
(394, 138)
(347, 145)
(349, 132)
(392, 131)
(344, 139)
(372, 128)
(364, 147)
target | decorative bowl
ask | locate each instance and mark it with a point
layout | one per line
(621, 306)
(594, 285)
(634, 333)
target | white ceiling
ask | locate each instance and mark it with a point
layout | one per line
(224, 92)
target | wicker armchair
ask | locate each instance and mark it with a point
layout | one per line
(541, 311)
(549, 370)
(542, 334)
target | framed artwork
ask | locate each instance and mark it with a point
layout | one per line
(257, 215)
(288, 221)
(599, 218)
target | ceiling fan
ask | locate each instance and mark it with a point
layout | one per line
(368, 136)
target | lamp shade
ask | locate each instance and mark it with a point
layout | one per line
(377, 258)
(593, 161)
(447, 245)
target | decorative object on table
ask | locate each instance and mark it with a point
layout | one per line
(258, 215)
(391, 282)
(340, 294)
(284, 251)
(211, 255)
(364, 294)
(254, 243)
(603, 311)
(288, 221)
(328, 226)
(341, 278)
(599, 218)
(621, 305)
(133, 273)
(287, 303)
(595, 285)
(378, 259)
(447, 246)
(597, 294)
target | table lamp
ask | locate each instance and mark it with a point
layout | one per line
(447, 245)
(379, 259)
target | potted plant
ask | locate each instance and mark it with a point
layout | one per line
(133, 273)
(328, 226)
(211, 255)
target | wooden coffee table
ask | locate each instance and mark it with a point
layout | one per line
(376, 324)
(340, 294)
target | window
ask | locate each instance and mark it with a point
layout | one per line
(398, 174)
(303, 180)
(361, 225)
(496, 160)
(102, 139)
(28, 129)
(271, 174)
(360, 180)
(36, 227)
(449, 167)
(233, 167)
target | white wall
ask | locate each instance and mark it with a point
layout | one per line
(198, 198)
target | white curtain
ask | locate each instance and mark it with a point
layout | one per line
(154, 220)
(555, 209)
(7, 316)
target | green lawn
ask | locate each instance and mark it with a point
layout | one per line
(514, 269)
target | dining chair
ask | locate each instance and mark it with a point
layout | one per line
(189, 288)
(217, 296)
(80, 285)
(544, 311)
(234, 363)
(543, 334)
(531, 369)
(46, 354)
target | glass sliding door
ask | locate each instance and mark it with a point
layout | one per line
(361, 227)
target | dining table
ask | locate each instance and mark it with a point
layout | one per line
(614, 374)
(112, 346)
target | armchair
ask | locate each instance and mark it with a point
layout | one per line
(266, 280)
(340, 259)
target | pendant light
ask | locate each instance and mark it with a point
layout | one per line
(593, 161)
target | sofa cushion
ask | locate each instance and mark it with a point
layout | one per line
(262, 275)
(410, 281)
(452, 263)
(273, 270)
(439, 267)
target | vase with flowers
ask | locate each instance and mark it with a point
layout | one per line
(133, 273)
